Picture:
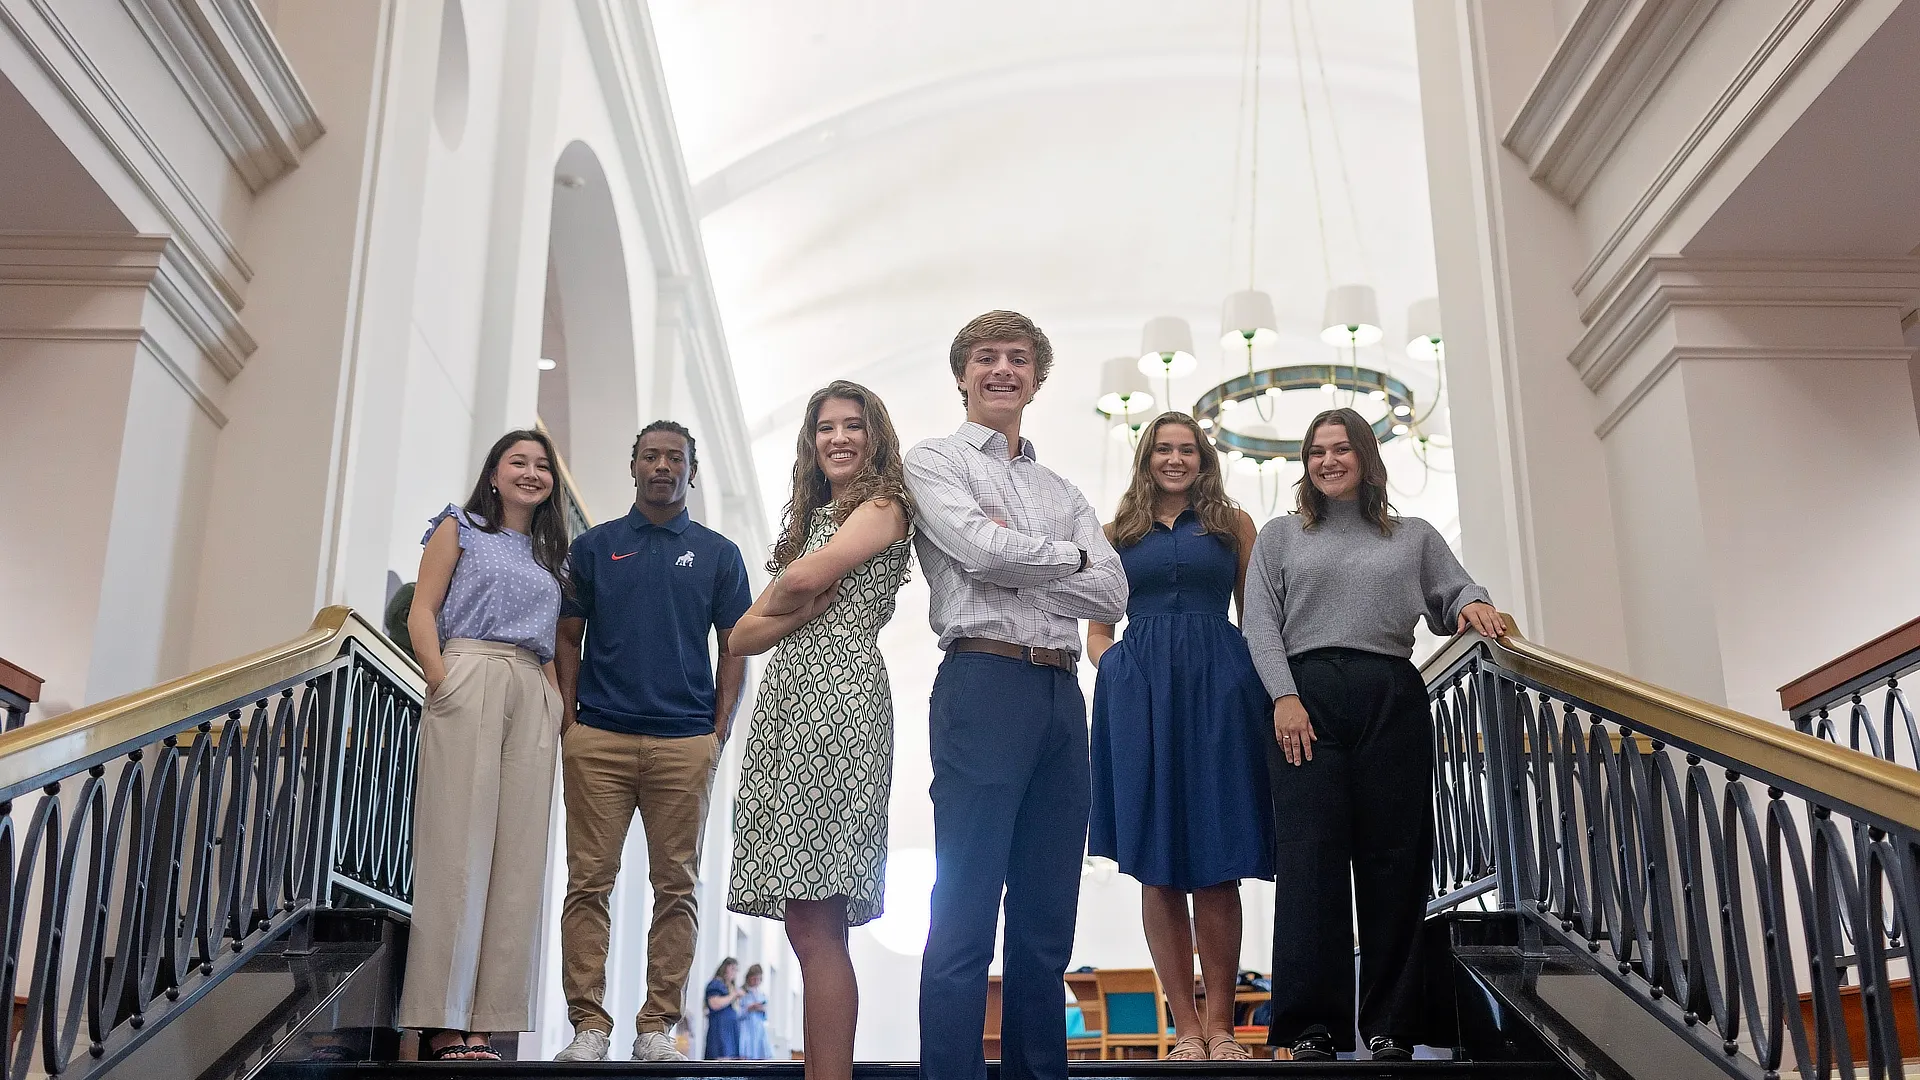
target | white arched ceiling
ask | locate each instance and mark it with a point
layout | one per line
(594, 311)
(873, 175)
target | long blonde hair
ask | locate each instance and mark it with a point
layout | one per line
(1218, 514)
(882, 476)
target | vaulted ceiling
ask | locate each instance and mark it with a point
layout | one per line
(872, 174)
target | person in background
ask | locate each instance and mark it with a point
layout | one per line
(810, 822)
(753, 1016)
(1180, 790)
(1014, 556)
(650, 592)
(1333, 595)
(482, 618)
(723, 1018)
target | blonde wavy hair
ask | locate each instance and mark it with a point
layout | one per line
(1218, 513)
(882, 476)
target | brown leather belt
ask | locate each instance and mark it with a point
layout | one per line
(1063, 659)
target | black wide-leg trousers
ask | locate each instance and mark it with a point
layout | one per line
(1353, 824)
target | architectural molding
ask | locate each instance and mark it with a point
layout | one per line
(237, 78)
(1612, 61)
(214, 327)
(1802, 29)
(1667, 282)
(1665, 362)
(626, 64)
(1640, 337)
(209, 251)
(152, 346)
(143, 268)
(77, 258)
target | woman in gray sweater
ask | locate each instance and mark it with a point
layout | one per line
(1333, 595)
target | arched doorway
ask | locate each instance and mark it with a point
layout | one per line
(590, 397)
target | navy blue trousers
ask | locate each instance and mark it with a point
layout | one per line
(1011, 790)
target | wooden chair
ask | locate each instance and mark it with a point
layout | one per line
(1084, 1045)
(1133, 1010)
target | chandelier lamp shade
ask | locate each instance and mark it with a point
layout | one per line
(1123, 389)
(1247, 319)
(1166, 348)
(1225, 398)
(1423, 330)
(1352, 318)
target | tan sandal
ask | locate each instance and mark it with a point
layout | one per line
(1227, 1048)
(1191, 1048)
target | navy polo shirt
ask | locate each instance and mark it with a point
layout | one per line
(651, 595)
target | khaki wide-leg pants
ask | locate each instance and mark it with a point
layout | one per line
(480, 815)
(607, 775)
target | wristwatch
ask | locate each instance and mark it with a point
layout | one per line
(1084, 560)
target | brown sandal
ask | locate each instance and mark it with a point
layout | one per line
(1191, 1048)
(1227, 1048)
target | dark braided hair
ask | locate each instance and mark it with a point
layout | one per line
(673, 427)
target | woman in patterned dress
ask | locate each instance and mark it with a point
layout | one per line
(810, 821)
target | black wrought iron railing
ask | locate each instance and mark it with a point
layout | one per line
(152, 844)
(1752, 886)
(1858, 701)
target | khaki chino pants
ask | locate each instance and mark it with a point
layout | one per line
(481, 808)
(607, 776)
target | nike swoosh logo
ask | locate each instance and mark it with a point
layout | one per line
(628, 555)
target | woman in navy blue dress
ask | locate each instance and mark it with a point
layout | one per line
(1180, 792)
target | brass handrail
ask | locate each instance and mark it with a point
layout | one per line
(565, 474)
(1879, 787)
(41, 747)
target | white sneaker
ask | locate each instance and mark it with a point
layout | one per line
(656, 1046)
(589, 1044)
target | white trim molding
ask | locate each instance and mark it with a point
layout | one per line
(1757, 309)
(112, 277)
(237, 78)
(1803, 31)
(627, 66)
(1612, 61)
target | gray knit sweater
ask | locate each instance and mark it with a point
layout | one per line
(1343, 584)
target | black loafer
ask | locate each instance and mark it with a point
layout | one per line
(1314, 1044)
(1387, 1048)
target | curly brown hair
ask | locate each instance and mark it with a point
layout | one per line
(1208, 495)
(882, 476)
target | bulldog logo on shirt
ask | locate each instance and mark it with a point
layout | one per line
(684, 560)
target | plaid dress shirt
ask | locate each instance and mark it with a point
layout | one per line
(1000, 538)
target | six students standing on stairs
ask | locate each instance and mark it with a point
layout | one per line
(1321, 687)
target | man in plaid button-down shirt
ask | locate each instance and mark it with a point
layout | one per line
(1014, 557)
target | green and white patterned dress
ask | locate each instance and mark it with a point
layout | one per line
(810, 821)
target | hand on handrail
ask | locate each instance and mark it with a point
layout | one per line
(1482, 616)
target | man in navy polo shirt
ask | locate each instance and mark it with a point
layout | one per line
(648, 591)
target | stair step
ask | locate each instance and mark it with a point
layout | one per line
(782, 1070)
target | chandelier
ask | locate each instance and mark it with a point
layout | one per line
(1239, 413)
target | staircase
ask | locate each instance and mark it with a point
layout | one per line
(211, 879)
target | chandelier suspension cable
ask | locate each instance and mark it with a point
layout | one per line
(1239, 147)
(1253, 173)
(1313, 162)
(1261, 407)
(1339, 149)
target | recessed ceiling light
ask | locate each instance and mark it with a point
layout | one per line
(547, 363)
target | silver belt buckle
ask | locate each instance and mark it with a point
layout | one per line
(1040, 657)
